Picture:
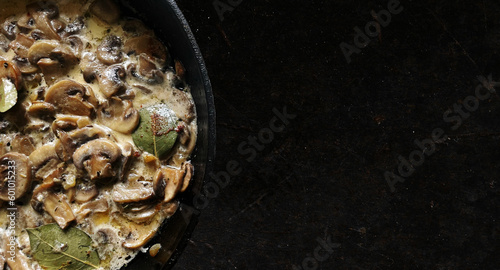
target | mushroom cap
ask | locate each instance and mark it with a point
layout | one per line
(119, 115)
(24, 65)
(41, 49)
(15, 176)
(110, 50)
(111, 80)
(97, 157)
(70, 97)
(85, 192)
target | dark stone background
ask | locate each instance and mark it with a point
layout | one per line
(323, 176)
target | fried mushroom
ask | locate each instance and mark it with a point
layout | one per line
(112, 80)
(167, 182)
(21, 45)
(97, 158)
(110, 50)
(15, 172)
(58, 207)
(119, 115)
(71, 97)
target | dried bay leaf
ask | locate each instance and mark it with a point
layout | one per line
(70, 249)
(156, 131)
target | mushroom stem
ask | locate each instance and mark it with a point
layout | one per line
(58, 207)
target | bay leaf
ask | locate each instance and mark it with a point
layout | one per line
(8, 95)
(156, 131)
(70, 249)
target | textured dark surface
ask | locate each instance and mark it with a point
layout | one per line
(323, 176)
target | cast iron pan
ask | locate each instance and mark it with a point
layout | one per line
(165, 18)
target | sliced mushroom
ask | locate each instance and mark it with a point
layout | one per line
(110, 50)
(148, 71)
(186, 110)
(86, 134)
(70, 97)
(46, 162)
(22, 144)
(189, 171)
(85, 192)
(10, 71)
(9, 29)
(42, 155)
(76, 45)
(58, 207)
(69, 142)
(64, 54)
(149, 45)
(90, 66)
(42, 13)
(134, 190)
(127, 150)
(67, 122)
(24, 65)
(42, 110)
(139, 234)
(26, 23)
(105, 10)
(39, 194)
(168, 182)
(41, 49)
(112, 80)
(140, 213)
(96, 206)
(21, 45)
(97, 158)
(4, 43)
(51, 69)
(119, 115)
(52, 169)
(15, 174)
(58, 25)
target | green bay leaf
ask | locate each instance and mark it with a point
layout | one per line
(156, 131)
(8, 95)
(70, 249)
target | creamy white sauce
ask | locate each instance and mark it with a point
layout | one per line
(113, 255)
